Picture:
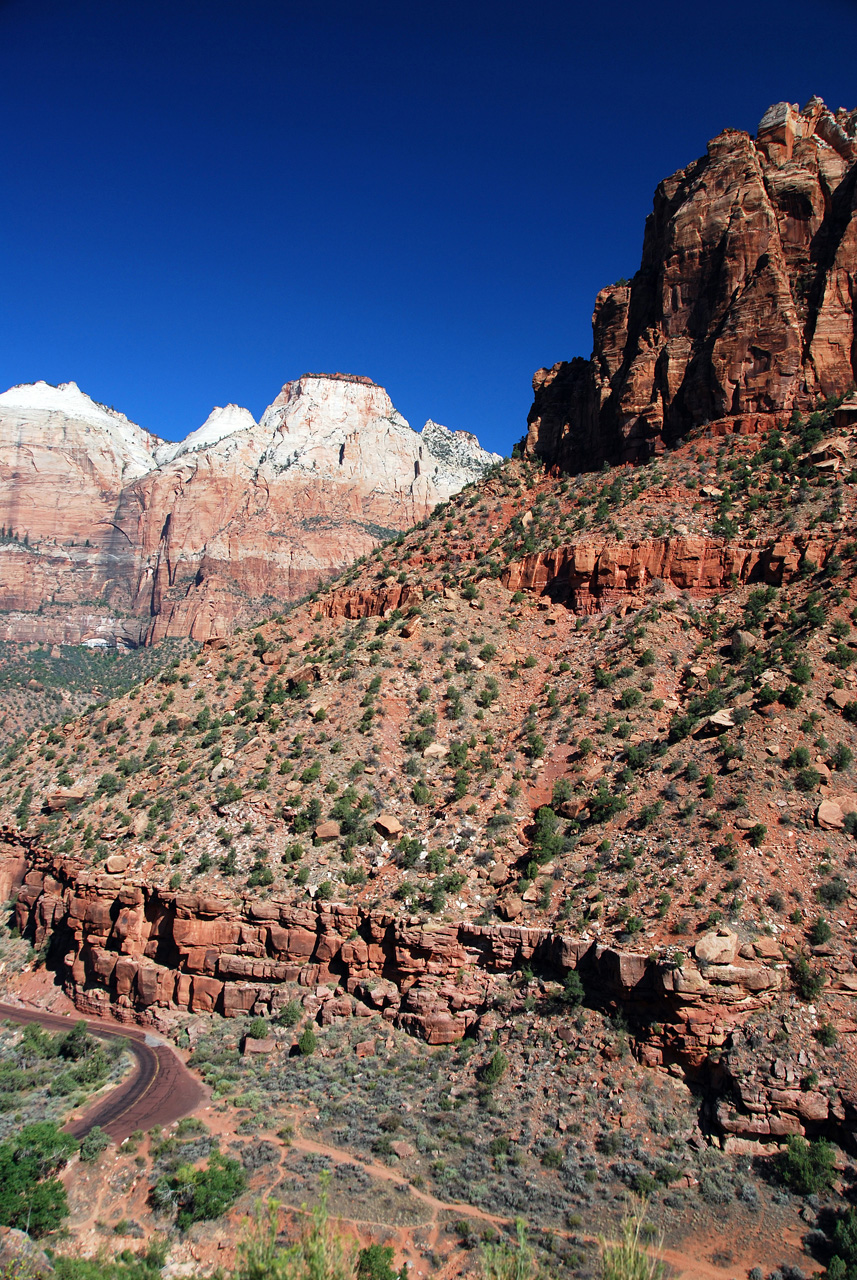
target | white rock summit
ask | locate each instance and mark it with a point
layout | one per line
(193, 537)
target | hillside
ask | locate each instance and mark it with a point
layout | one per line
(515, 867)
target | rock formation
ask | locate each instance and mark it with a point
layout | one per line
(112, 533)
(744, 301)
(134, 952)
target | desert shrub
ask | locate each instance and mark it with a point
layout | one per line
(375, 1263)
(791, 696)
(547, 841)
(94, 1143)
(197, 1195)
(308, 1042)
(573, 992)
(808, 980)
(819, 932)
(32, 1198)
(806, 1167)
(494, 1069)
(290, 1014)
(832, 892)
(843, 1261)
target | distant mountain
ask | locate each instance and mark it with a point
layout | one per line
(110, 533)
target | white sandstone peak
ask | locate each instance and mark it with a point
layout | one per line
(39, 404)
(219, 424)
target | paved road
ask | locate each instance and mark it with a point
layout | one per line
(159, 1090)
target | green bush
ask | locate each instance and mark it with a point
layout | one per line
(290, 1014)
(573, 992)
(94, 1143)
(806, 1167)
(494, 1069)
(819, 932)
(832, 892)
(375, 1263)
(843, 1262)
(197, 1195)
(31, 1197)
(808, 981)
(308, 1042)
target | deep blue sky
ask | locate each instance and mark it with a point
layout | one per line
(202, 199)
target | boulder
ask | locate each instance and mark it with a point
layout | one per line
(829, 816)
(327, 831)
(510, 908)
(718, 946)
(388, 825)
(64, 798)
(253, 1047)
(742, 640)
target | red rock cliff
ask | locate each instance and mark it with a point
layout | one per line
(744, 301)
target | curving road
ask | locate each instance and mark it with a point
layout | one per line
(159, 1090)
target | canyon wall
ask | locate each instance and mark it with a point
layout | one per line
(744, 301)
(137, 953)
(595, 574)
(109, 533)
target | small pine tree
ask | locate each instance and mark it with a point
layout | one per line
(308, 1042)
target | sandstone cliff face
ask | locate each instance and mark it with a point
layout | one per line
(190, 539)
(138, 953)
(744, 301)
(590, 576)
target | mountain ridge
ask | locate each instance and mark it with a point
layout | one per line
(189, 537)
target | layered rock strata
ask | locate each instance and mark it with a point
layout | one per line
(110, 533)
(139, 953)
(743, 303)
(588, 576)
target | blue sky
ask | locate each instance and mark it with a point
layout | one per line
(202, 199)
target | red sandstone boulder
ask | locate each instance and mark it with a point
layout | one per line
(388, 825)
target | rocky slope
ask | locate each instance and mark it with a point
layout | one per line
(523, 737)
(567, 768)
(744, 301)
(110, 533)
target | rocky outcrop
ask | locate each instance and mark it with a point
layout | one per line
(590, 576)
(111, 533)
(744, 301)
(140, 953)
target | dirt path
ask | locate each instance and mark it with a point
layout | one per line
(683, 1264)
(159, 1090)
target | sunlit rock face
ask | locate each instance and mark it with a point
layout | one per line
(744, 301)
(110, 531)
